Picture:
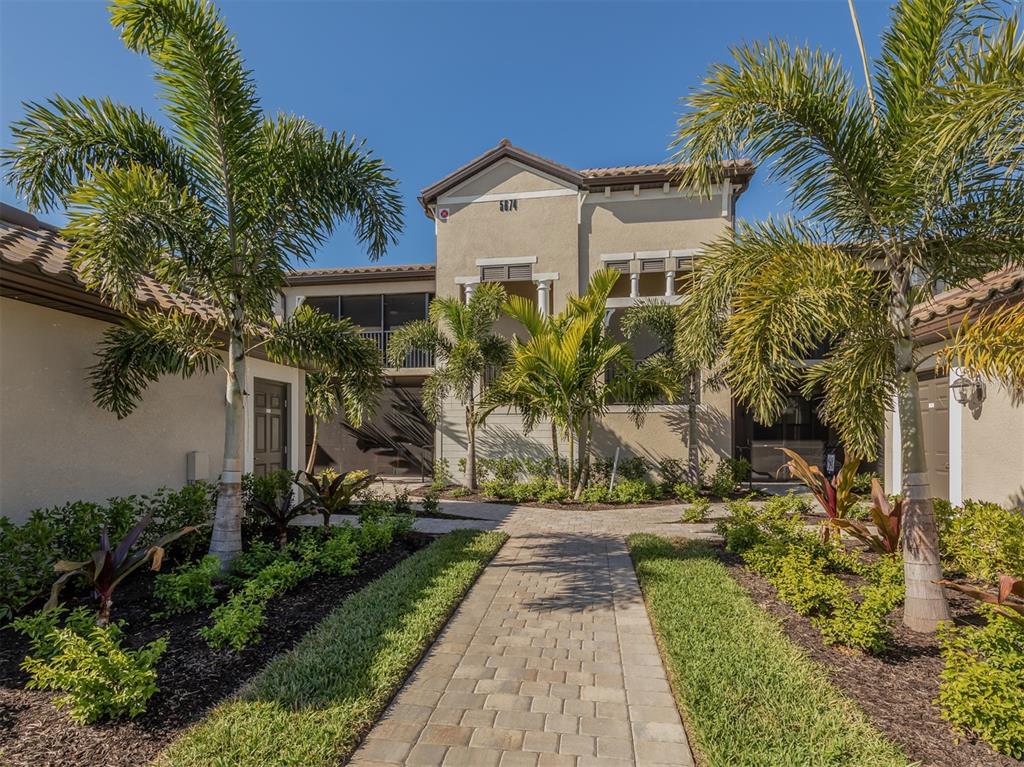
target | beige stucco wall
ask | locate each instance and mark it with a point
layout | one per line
(56, 445)
(993, 447)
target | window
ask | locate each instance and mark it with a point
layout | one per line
(652, 265)
(618, 266)
(364, 311)
(503, 273)
(403, 308)
(326, 304)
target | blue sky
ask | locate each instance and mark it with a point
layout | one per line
(432, 84)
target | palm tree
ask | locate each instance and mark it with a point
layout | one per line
(662, 320)
(885, 220)
(461, 337)
(220, 205)
(562, 372)
(353, 389)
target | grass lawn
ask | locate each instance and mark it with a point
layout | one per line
(749, 696)
(311, 706)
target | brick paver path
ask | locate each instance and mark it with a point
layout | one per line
(550, 660)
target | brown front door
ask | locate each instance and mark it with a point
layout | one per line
(270, 427)
(934, 397)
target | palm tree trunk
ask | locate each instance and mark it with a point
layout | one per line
(693, 435)
(584, 475)
(311, 461)
(569, 466)
(226, 540)
(470, 450)
(925, 605)
(555, 455)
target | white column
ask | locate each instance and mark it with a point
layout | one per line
(543, 288)
(634, 285)
(470, 287)
(670, 283)
(956, 450)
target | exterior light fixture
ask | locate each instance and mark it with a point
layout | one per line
(966, 389)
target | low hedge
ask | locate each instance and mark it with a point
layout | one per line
(749, 696)
(312, 705)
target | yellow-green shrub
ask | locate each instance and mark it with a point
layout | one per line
(981, 540)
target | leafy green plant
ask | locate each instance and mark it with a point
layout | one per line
(442, 475)
(274, 500)
(723, 481)
(236, 623)
(887, 519)
(685, 492)
(747, 524)
(339, 553)
(697, 510)
(596, 493)
(981, 687)
(375, 535)
(26, 562)
(862, 483)
(430, 505)
(108, 566)
(41, 627)
(247, 564)
(549, 491)
(864, 625)
(188, 587)
(982, 540)
(333, 493)
(191, 506)
(460, 492)
(96, 676)
(835, 496)
(672, 472)
(633, 491)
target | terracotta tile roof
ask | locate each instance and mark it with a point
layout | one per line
(948, 308)
(28, 242)
(586, 178)
(381, 269)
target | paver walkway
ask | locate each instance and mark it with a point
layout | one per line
(550, 660)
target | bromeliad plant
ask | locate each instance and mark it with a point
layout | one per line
(332, 493)
(108, 567)
(836, 497)
(1007, 600)
(887, 519)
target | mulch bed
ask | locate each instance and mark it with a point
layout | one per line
(193, 678)
(895, 690)
(448, 495)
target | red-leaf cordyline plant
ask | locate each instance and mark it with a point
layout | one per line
(1008, 599)
(109, 566)
(836, 496)
(332, 493)
(887, 519)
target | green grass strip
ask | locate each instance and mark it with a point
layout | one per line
(749, 695)
(312, 705)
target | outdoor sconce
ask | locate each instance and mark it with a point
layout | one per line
(967, 389)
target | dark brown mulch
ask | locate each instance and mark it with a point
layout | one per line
(895, 690)
(192, 677)
(448, 495)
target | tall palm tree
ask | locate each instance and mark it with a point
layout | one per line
(462, 339)
(885, 220)
(353, 389)
(220, 205)
(562, 371)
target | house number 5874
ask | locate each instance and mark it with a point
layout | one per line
(506, 205)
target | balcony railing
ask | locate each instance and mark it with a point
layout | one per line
(414, 359)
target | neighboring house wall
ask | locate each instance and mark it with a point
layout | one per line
(563, 231)
(56, 445)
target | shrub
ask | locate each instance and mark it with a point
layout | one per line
(862, 482)
(595, 494)
(505, 469)
(375, 535)
(747, 525)
(864, 625)
(41, 628)
(374, 508)
(236, 623)
(460, 492)
(249, 563)
(97, 676)
(189, 587)
(274, 500)
(191, 506)
(672, 473)
(430, 505)
(78, 524)
(723, 482)
(442, 475)
(339, 554)
(549, 491)
(697, 511)
(982, 540)
(981, 687)
(633, 491)
(332, 493)
(495, 488)
(685, 492)
(26, 562)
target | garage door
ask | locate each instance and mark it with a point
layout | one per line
(934, 398)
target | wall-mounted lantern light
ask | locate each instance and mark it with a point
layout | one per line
(966, 389)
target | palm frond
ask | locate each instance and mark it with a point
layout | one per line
(146, 346)
(991, 345)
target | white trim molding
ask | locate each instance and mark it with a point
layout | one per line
(472, 279)
(507, 161)
(658, 193)
(495, 196)
(545, 276)
(605, 257)
(956, 445)
(652, 254)
(506, 261)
